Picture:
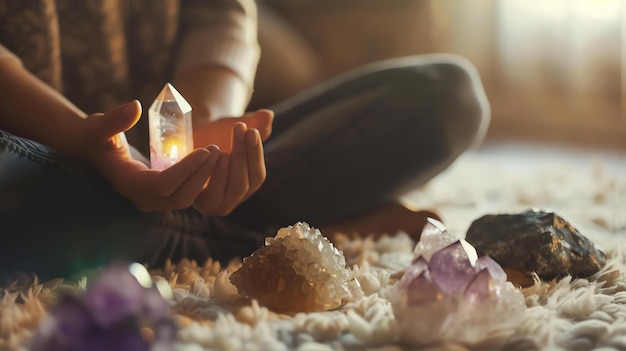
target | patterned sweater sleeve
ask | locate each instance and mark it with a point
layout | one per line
(219, 32)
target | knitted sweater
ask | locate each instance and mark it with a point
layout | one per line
(101, 53)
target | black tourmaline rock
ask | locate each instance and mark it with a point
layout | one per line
(536, 241)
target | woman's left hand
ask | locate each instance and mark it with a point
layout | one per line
(219, 132)
(241, 168)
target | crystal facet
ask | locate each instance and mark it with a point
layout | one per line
(481, 289)
(464, 296)
(434, 237)
(495, 271)
(298, 270)
(451, 268)
(422, 291)
(171, 136)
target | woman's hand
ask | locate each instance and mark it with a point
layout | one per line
(241, 168)
(104, 146)
(216, 94)
(212, 180)
(219, 132)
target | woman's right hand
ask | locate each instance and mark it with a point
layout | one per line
(104, 147)
(213, 181)
(98, 140)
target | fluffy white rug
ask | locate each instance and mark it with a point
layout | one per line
(579, 314)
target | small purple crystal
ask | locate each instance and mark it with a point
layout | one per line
(432, 230)
(416, 268)
(495, 271)
(464, 296)
(115, 313)
(481, 289)
(422, 291)
(434, 237)
(453, 267)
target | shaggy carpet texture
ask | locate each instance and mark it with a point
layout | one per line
(570, 314)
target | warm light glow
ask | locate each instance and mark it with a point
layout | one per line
(561, 9)
(598, 9)
(174, 153)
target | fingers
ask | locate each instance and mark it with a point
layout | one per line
(267, 119)
(210, 180)
(117, 120)
(211, 198)
(173, 188)
(186, 194)
(165, 183)
(256, 161)
(236, 180)
(220, 132)
(262, 121)
(238, 184)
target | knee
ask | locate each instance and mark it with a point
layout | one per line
(446, 79)
(450, 87)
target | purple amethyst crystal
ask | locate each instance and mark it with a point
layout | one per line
(481, 289)
(495, 271)
(115, 313)
(464, 296)
(422, 291)
(453, 267)
(416, 268)
(434, 237)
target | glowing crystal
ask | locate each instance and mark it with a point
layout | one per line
(171, 136)
(298, 270)
(465, 297)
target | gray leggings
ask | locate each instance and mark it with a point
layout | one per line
(337, 150)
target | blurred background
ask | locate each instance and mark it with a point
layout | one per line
(554, 70)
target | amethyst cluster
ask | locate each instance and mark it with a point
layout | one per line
(449, 293)
(118, 312)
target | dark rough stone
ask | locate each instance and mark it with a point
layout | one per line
(536, 241)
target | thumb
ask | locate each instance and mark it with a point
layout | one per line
(118, 120)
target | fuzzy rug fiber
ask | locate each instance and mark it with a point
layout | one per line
(570, 314)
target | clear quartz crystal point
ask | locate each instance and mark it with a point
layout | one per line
(171, 136)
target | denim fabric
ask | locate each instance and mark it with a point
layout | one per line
(57, 218)
(337, 150)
